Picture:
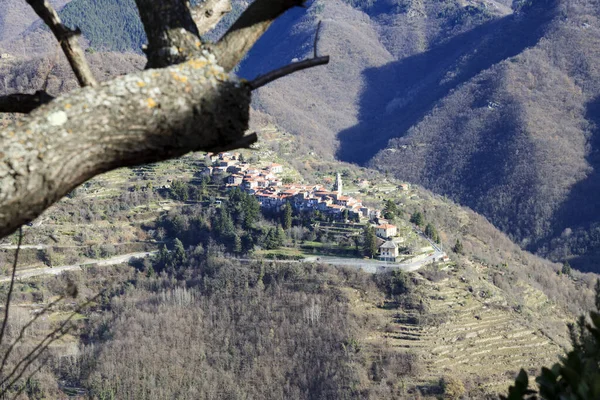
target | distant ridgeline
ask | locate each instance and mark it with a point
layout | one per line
(115, 24)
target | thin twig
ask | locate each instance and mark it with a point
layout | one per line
(68, 41)
(294, 67)
(35, 371)
(31, 360)
(287, 70)
(11, 287)
(23, 329)
(42, 346)
(316, 53)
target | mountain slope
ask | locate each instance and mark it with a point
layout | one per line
(17, 15)
(518, 142)
(494, 108)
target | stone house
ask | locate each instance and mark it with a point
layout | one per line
(275, 168)
(386, 231)
(388, 251)
(235, 179)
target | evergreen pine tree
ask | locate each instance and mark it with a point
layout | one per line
(458, 247)
(370, 242)
(203, 187)
(566, 269)
(287, 216)
(270, 242)
(179, 256)
(279, 236)
(417, 219)
(390, 210)
(430, 231)
(237, 244)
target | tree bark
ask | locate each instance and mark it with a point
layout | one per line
(139, 118)
(172, 33)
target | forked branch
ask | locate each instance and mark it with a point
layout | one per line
(250, 26)
(172, 35)
(68, 41)
(138, 118)
(209, 13)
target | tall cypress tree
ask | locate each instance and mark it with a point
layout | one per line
(287, 216)
(370, 242)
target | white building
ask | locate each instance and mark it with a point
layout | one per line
(388, 251)
(386, 231)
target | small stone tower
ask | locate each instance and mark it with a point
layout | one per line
(338, 185)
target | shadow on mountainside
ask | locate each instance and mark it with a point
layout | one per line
(577, 221)
(420, 81)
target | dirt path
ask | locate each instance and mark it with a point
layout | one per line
(28, 273)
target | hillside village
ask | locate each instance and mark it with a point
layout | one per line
(266, 185)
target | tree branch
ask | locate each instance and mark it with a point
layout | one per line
(68, 41)
(249, 27)
(316, 44)
(23, 103)
(173, 37)
(287, 70)
(142, 117)
(291, 68)
(24, 329)
(50, 338)
(134, 119)
(207, 14)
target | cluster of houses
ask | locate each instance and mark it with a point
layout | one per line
(268, 188)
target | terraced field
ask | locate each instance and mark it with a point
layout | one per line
(467, 330)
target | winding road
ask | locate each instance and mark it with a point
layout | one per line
(369, 266)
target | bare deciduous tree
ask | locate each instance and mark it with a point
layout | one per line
(186, 100)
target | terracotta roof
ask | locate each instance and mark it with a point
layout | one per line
(386, 226)
(389, 245)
